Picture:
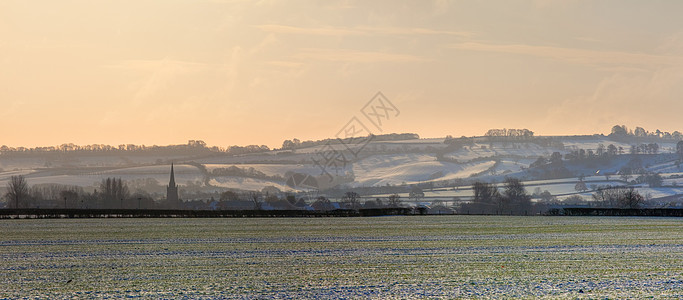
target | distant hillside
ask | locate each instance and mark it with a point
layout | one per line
(376, 164)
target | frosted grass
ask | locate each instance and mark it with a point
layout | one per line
(387, 257)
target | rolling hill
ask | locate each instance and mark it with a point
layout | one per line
(445, 167)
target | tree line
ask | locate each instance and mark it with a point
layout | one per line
(295, 143)
(514, 200)
(622, 131)
(111, 193)
(513, 133)
(191, 146)
(272, 198)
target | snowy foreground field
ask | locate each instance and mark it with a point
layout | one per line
(387, 257)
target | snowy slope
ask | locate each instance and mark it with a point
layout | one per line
(411, 168)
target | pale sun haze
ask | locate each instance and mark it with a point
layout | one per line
(233, 72)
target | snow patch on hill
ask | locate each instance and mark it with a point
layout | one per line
(241, 183)
(411, 168)
(271, 169)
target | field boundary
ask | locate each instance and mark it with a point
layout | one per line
(640, 212)
(175, 213)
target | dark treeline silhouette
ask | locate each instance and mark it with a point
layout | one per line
(112, 193)
(514, 200)
(166, 213)
(113, 197)
(640, 212)
(617, 197)
(192, 147)
(515, 133)
(623, 131)
(296, 143)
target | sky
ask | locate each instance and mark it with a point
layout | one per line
(234, 72)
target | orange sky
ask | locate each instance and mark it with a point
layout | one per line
(233, 72)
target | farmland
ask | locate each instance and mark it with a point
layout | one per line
(443, 169)
(401, 257)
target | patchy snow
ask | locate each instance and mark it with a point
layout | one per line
(381, 163)
(5, 176)
(94, 179)
(161, 173)
(79, 180)
(661, 191)
(411, 168)
(271, 169)
(512, 166)
(479, 150)
(593, 144)
(157, 169)
(232, 182)
(667, 167)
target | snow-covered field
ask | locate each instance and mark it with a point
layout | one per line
(252, 184)
(667, 167)
(446, 257)
(593, 144)
(5, 176)
(270, 169)
(160, 173)
(412, 168)
(478, 151)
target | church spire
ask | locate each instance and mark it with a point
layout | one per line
(172, 181)
(172, 192)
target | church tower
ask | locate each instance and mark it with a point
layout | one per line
(172, 192)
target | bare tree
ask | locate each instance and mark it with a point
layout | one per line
(322, 203)
(394, 201)
(580, 186)
(17, 191)
(351, 200)
(255, 197)
(515, 199)
(416, 194)
(640, 132)
(229, 196)
(618, 197)
(600, 150)
(619, 130)
(113, 190)
(486, 199)
(613, 150)
(630, 198)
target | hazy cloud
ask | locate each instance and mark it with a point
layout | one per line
(345, 55)
(155, 65)
(326, 31)
(575, 55)
(359, 31)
